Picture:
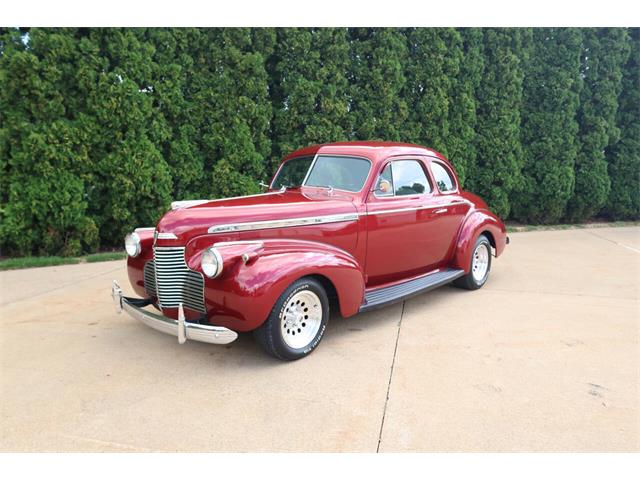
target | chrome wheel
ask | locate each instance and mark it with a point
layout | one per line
(300, 319)
(480, 262)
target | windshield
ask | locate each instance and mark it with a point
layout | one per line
(292, 172)
(342, 173)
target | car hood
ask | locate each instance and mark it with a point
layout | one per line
(192, 220)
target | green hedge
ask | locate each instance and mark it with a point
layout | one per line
(101, 128)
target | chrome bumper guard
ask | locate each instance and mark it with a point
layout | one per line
(178, 328)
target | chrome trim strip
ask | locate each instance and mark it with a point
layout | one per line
(144, 229)
(289, 222)
(180, 328)
(257, 243)
(422, 207)
(167, 236)
(298, 222)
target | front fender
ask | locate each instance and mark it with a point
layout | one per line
(248, 288)
(476, 223)
(135, 265)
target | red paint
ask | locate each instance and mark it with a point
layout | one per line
(370, 252)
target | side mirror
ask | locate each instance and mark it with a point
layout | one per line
(384, 188)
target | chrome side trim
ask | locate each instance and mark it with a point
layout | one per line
(422, 207)
(289, 222)
(257, 243)
(298, 222)
(166, 236)
(180, 328)
(144, 229)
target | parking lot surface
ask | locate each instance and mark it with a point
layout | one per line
(545, 357)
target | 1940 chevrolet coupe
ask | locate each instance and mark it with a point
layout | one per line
(354, 225)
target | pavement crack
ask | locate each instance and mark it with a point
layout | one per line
(393, 362)
(614, 242)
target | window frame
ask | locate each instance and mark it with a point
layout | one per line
(422, 165)
(449, 170)
(313, 163)
(358, 157)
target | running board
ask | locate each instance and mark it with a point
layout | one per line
(381, 297)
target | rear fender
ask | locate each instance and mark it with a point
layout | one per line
(256, 273)
(476, 223)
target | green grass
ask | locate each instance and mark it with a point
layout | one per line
(563, 226)
(105, 257)
(35, 262)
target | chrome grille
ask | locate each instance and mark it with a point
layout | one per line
(175, 282)
(150, 278)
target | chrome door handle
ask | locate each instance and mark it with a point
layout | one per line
(440, 210)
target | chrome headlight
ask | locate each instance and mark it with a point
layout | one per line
(211, 263)
(132, 244)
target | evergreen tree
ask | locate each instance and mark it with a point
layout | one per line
(378, 56)
(552, 86)
(431, 69)
(499, 100)
(624, 156)
(310, 88)
(462, 102)
(178, 140)
(604, 54)
(234, 111)
(128, 180)
(44, 145)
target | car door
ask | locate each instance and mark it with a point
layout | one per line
(400, 222)
(449, 207)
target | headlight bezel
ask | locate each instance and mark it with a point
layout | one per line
(211, 263)
(136, 243)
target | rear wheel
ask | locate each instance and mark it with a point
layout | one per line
(479, 267)
(297, 321)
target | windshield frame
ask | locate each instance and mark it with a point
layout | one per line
(313, 163)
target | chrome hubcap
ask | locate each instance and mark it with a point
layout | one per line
(301, 318)
(480, 263)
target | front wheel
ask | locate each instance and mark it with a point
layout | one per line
(297, 321)
(480, 266)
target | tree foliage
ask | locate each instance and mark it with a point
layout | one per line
(101, 128)
(462, 102)
(499, 100)
(377, 76)
(604, 53)
(310, 88)
(624, 155)
(552, 87)
(435, 55)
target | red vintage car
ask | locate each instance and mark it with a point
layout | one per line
(355, 226)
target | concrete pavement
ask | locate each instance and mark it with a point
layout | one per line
(545, 357)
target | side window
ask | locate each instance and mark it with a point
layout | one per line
(443, 177)
(409, 178)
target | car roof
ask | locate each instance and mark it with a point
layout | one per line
(375, 151)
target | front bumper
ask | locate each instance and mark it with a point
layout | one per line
(178, 328)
